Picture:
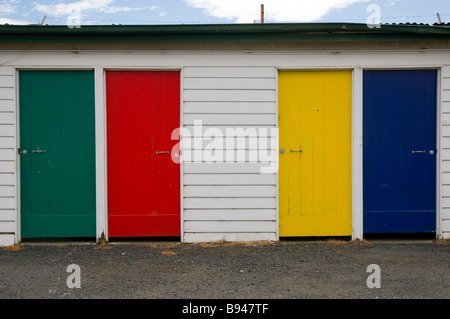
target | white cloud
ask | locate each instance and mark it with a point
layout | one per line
(118, 9)
(6, 8)
(83, 5)
(246, 11)
(154, 7)
(391, 3)
(162, 14)
(13, 21)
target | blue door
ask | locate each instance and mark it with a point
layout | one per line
(399, 151)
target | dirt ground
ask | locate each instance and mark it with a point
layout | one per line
(326, 269)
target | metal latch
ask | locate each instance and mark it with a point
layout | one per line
(39, 151)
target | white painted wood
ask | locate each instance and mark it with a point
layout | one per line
(227, 69)
(445, 179)
(7, 215)
(446, 107)
(226, 203)
(228, 83)
(230, 107)
(229, 179)
(229, 95)
(439, 159)
(181, 165)
(445, 83)
(445, 154)
(7, 227)
(357, 155)
(8, 154)
(446, 95)
(263, 60)
(229, 72)
(231, 156)
(7, 191)
(7, 203)
(7, 130)
(229, 226)
(7, 166)
(445, 213)
(229, 237)
(445, 143)
(230, 214)
(445, 118)
(6, 106)
(6, 81)
(244, 142)
(277, 186)
(6, 239)
(445, 190)
(230, 119)
(6, 93)
(192, 131)
(7, 71)
(445, 130)
(7, 179)
(445, 202)
(7, 142)
(446, 227)
(7, 118)
(203, 168)
(100, 155)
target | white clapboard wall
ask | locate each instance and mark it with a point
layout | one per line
(445, 152)
(220, 201)
(229, 201)
(7, 157)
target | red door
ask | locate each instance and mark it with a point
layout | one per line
(143, 108)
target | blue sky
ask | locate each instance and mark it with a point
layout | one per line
(218, 11)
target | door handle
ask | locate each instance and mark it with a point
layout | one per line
(39, 151)
(418, 152)
(163, 152)
(299, 151)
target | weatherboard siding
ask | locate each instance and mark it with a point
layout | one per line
(229, 201)
(7, 157)
(221, 72)
(445, 151)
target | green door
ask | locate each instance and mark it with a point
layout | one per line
(57, 147)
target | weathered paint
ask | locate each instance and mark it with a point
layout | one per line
(399, 154)
(143, 108)
(315, 184)
(58, 183)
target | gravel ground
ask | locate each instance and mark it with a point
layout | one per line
(283, 270)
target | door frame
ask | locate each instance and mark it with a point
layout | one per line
(356, 143)
(438, 200)
(18, 186)
(102, 144)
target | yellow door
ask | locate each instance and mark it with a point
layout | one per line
(315, 167)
